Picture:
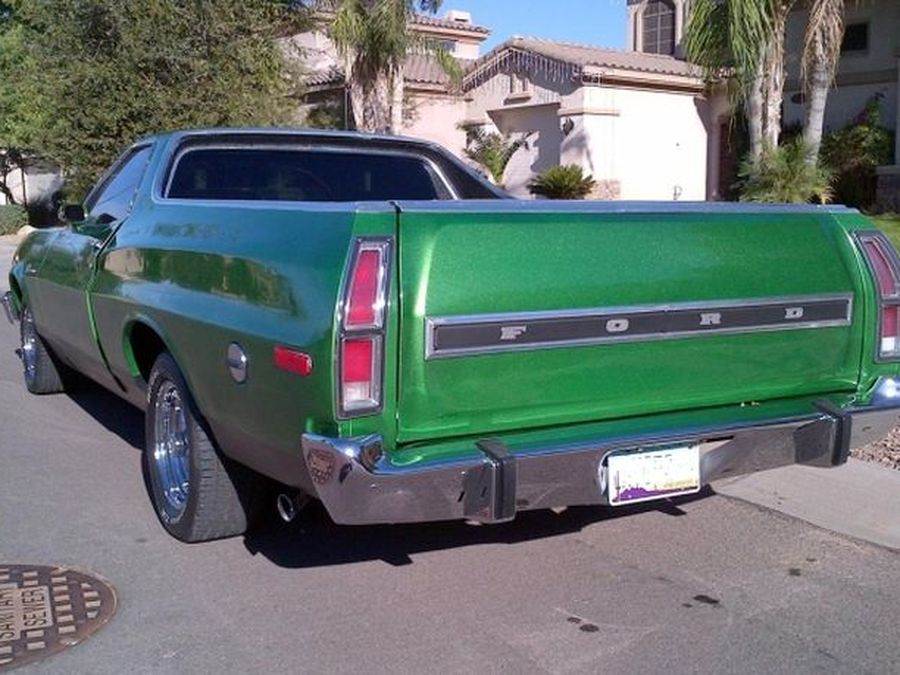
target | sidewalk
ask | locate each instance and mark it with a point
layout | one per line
(861, 499)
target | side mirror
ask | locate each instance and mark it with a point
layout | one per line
(71, 213)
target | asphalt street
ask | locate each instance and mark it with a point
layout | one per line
(707, 585)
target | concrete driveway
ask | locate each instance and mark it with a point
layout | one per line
(711, 584)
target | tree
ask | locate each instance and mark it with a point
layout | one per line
(374, 37)
(821, 52)
(98, 74)
(13, 107)
(493, 151)
(743, 40)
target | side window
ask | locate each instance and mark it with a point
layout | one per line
(113, 199)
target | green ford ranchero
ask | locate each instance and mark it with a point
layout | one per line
(364, 321)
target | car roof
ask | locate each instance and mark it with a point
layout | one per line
(292, 132)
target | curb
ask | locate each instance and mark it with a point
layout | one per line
(860, 499)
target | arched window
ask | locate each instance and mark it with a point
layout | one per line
(658, 27)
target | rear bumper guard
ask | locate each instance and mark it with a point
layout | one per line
(358, 484)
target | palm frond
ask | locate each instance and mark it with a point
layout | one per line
(492, 151)
(731, 38)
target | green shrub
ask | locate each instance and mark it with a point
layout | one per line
(562, 182)
(12, 217)
(854, 152)
(785, 175)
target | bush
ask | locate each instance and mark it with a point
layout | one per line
(326, 115)
(12, 218)
(785, 175)
(562, 182)
(854, 152)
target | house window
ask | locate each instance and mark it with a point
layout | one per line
(658, 27)
(856, 38)
(519, 85)
(448, 46)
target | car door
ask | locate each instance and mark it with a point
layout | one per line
(62, 311)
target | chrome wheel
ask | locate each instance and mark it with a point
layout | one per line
(29, 346)
(171, 451)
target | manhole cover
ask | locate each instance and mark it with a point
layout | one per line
(43, 610)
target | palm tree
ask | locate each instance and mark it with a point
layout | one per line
(821, 52)
(743, 41)
(373, 37)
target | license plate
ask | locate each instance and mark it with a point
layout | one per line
(657, 473)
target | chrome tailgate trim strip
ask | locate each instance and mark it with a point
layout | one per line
(468, 335)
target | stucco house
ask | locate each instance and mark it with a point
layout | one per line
(641, 124)
(639, 121)
(869, 67)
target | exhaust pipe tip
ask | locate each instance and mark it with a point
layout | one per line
(287, 506)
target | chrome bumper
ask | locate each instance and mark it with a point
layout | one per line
(9, 307)
(359, 485)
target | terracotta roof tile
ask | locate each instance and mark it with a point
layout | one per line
(425, 69)
(601, 57)
(320, 78)
(426, 20)
(418, 68)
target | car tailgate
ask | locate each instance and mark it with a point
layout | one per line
(518, 315)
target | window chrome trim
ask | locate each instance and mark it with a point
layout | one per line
(161, 191)
(515, 320)
(113, 171)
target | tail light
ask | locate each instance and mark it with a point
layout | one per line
(885, 268)
(362, 327)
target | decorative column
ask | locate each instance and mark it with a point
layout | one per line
(632, 27)
(681, 13)
(679, 21)
(638, 35)
(888, 191)
(897, 128)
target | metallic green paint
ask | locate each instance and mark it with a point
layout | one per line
(480, 263)
(203, 275)
(206, 276)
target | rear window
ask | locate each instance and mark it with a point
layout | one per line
(276, 174)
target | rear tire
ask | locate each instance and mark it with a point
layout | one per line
(42, 374)
(198, 493)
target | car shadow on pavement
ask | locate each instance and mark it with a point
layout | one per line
(113, 413)
(314, 540)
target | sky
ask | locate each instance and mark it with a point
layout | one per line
(595, 22)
